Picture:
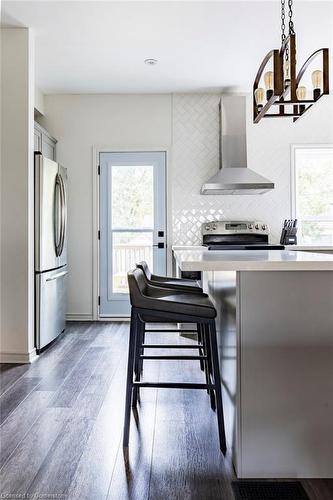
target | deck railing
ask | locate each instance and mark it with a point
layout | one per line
(124, 259)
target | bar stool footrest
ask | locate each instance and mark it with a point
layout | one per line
(157, 356)
(173, 385)
(171, 346)
(164, 330)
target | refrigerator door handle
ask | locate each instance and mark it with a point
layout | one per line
(57, 276)
(63, 214)
(56, 208)
(60, 215)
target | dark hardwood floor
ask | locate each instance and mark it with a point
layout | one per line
(61, 427)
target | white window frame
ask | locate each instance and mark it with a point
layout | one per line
(293, 192)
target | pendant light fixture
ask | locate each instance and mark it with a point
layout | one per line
(278, 91)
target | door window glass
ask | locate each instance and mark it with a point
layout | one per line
(132, 189)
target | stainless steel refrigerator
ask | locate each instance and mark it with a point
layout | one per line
(50, 249)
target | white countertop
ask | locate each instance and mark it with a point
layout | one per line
(308, 248)
(200, 259)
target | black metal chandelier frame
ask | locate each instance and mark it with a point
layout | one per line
(285, 93)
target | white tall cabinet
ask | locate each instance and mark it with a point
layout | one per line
(44, 142)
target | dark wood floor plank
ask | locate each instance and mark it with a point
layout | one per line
(100, 384)
(186, 455)
(18, 424)
(169, 459)
(27, 459)
(51, 356)
(319, 489)
(56, 376)
(9, 374)
(131, 475)
(208, 471)
(16, 394)
(58, 468)
(112, 336)
(94, 472)
(73, 384)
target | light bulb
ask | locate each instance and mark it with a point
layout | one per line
(317, 77)
(301, 96)
(286, 73)
(286, 69)
(269, 84)
(301, 93)
(259, 95)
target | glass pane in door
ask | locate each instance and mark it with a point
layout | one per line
(128, 248)
(132, 189)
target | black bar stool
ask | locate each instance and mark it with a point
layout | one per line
(178, 284)
(165, 305)
(168, 282)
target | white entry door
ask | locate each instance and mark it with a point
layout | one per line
(132, 222)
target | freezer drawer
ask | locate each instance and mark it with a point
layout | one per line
(51, 301)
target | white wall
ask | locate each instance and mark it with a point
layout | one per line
(188, 122)
(17, 259)
(39, 101)
(80, 122)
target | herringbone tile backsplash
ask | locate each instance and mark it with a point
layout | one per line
(195, 159)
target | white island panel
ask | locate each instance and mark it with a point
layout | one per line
(285, 335)
(275, 336)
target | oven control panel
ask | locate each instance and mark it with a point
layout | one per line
(234, 227)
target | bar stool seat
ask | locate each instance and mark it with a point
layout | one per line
(169, 282)
(169, 301)
(165, 305)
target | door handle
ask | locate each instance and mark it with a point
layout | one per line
(159, 245)
(63, 214)
(57, 276)
(56, 211)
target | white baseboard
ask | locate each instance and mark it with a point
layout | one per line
(79, 317)
(18, 357)
(114, 318)
(89, 317)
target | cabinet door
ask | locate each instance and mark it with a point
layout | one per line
(44, 143)
(37, 141)
(48, 147)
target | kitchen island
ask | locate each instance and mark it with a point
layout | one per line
(275, 332)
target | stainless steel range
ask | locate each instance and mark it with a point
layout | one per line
(237, 235)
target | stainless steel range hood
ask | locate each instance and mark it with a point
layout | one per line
(233, 176)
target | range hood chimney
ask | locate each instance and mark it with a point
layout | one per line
(233, 176)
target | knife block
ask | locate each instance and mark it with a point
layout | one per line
(289, 235)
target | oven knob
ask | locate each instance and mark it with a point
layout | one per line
(264, 227)
(257, 226)
(250, 226)
(207, 227)
(215, 226)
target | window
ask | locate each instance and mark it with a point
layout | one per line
(312, 193)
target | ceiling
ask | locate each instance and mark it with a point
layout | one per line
(100, 47)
